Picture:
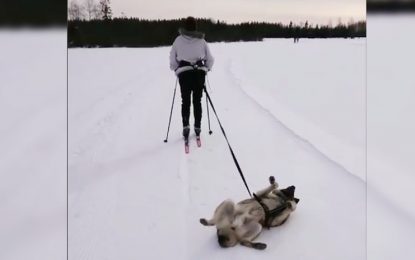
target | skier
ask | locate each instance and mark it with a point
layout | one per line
(190, 59)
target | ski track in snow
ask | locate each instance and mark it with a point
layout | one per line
(107, 183)
(132, 196)
(233, 79)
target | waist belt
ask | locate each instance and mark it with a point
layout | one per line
(186, 66)
(196, 65)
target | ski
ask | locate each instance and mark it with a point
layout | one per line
(198, 141)
(186, 145)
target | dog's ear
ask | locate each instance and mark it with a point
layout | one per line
(289, 191)
(296, 200)
(292, 189)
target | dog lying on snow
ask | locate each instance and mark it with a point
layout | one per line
(244, 221)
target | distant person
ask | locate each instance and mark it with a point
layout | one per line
(190, 59)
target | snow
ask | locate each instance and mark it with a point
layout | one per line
(390, 143)
(329, 113)
(33, 144)
(131, 196)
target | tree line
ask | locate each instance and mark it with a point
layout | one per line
(390, 6)
(39, 13)
(91, 25)
(134, 32)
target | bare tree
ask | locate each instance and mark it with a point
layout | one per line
(106, 11)
(75, 11)
(92, 9)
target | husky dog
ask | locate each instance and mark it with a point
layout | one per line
(244, 221)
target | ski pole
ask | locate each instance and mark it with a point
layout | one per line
(207, 108)
(171, 112)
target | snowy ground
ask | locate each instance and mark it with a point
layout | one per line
(390, 143)
(33, 144)
(295, 111)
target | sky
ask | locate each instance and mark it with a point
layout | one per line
(234, 11)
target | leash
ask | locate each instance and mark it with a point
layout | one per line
(269, 214)
(227, 141)
(195, 66)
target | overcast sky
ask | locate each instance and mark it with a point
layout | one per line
(232, 11)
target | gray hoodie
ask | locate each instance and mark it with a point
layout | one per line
(190, 47)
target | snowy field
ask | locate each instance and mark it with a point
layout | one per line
(33, 144)
(295, 111)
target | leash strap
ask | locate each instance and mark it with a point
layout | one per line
(270, 214)
(227, 141)
(266, 211)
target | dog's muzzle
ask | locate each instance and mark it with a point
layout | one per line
(222, 240)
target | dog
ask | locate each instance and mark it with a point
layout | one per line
(243, 222)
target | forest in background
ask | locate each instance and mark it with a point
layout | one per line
(92, 25)
(134, 32)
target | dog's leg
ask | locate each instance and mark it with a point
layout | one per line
(267, 190)
(256, 245)
(248, 232)
(206, 222)
(224, 215)
(272, 187)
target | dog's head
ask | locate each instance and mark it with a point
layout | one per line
(227, 236)
(289, 194)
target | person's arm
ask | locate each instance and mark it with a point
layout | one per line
(173, 58)
(209, 58)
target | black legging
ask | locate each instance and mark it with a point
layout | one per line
(192, 81)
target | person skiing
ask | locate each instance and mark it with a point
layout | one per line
(191, 59)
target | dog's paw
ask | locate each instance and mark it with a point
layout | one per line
(259, 246)
(273, 183)
(203, 222)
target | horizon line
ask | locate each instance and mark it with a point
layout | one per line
(330, 22)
